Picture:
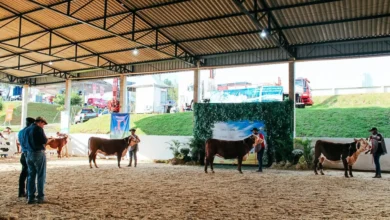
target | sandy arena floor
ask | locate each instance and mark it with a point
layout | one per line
(159, 191)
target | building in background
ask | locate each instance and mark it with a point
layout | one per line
(149, 94)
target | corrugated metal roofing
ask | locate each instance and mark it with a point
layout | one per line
(182, 28)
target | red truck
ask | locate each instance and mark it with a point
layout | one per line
(303, 92)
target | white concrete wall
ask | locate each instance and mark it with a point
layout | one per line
(364, 162)
(347, 91)
(150, 148)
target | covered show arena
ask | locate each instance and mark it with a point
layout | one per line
(46, 42)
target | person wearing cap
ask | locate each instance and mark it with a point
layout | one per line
(133, 143)
(23, 159)
(377, 150)
(259, 148)
(36, 159)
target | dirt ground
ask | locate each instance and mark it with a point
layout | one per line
(160, 191)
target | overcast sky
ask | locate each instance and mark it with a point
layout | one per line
(322, 74)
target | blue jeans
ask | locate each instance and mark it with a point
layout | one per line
(36, 169)
(23, 188)
(377, 164)
(260, 158)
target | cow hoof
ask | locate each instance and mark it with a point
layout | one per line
(212, 171)
(241, 172)
(346, 176)
(205, 171)
(316, 173)
(322, 174)
(350, 175)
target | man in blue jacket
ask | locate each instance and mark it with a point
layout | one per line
(36, 159)
(23, 158)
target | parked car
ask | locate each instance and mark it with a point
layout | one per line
(84, 115)
(15, 98)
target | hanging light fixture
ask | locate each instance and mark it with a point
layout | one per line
(50, 63)
(263, 33)
(135, 52)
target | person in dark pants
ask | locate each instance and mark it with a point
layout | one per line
(259, 148)
(133, 143)
(378, 149)
(36, 159)
(23, 158)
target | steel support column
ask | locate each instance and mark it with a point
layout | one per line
(123, 94)
(25, 96)
(65, 115)
(291, 90)
(196, 83)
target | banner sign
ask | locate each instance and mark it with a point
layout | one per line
(120, 125)
(259, 94)
(9, 112)
(235, 131)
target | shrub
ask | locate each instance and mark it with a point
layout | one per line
(184, 154)
(174, 146)
(305, 146)
(197, 150)
(296, 154)
(283, 150)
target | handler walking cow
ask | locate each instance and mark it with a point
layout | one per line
(107, 147)
(378, 149)
(134, 140)
(228, 150)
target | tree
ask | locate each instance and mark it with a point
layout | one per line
(173, 90)
(74, 100)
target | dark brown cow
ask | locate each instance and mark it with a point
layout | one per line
(107, 147)
(347, 153)
(57, 143)
(228, 150)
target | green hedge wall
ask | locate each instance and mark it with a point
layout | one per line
(277, 117)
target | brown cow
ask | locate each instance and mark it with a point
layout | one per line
(347, 153)
(228, 150)
(107, 147)
(57, 143)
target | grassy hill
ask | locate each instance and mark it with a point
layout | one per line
(331, 116)
(344, 116)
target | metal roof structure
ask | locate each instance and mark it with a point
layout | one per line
(48, 41)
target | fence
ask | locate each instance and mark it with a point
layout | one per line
(352, 90)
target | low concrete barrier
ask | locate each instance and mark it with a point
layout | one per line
(364, 162)
(150, 148)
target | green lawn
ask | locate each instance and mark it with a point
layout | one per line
(341, 122)
(150, 124)
(331, 116)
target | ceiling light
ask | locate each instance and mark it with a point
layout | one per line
(135, 52)
(263, 33)
(50, 63)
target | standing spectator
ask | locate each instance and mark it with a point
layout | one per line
(23, 159)
(259, 148)
(36, 159)
(378, 149)
(133, 142)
